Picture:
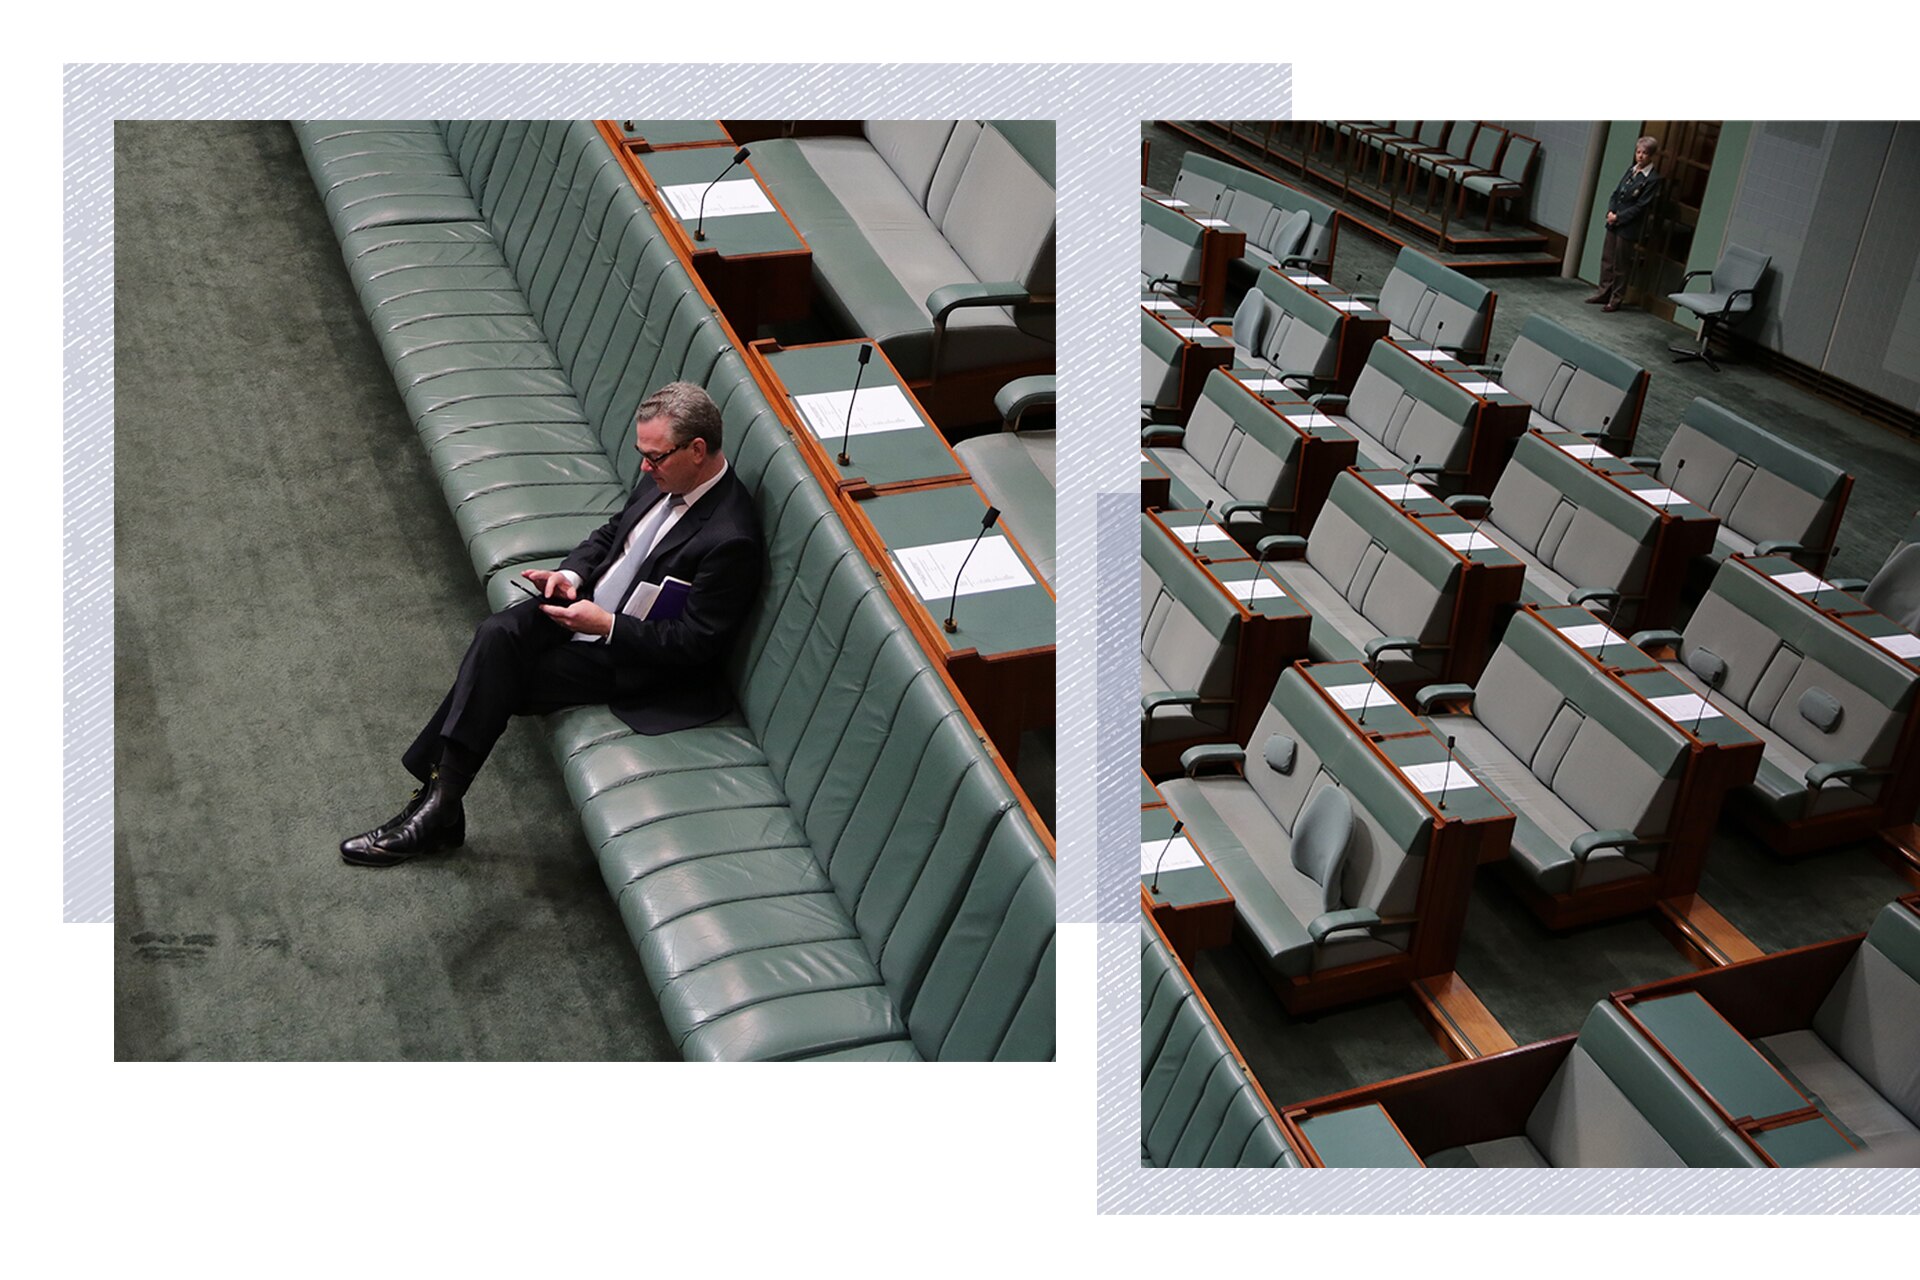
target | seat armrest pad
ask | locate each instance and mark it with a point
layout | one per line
(1641, 462)
(1589, 594)
(1463, 500)
(1651, 640)
(1849, 584)
(1163, 431)
(1778, 547)
(1231, 509)
(1821, 774)
(1389, 644)
(1431, 693)
(1194, 759)
(1613, 838)
(1346, 920)
(1004, 293)
(1293, 542)
(1152, 702)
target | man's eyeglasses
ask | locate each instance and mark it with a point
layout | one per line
(655, 459)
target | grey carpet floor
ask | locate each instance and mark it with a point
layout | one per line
(1536, 982)
(291, 599)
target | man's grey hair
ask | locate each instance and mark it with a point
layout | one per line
(1651, 144)
(690, 413)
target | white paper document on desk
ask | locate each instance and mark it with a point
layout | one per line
(726, 200)
(1180, 855)
(1357, 697)
(1441, 775)
(881, 408)
(995, 566)
(1685, 708)
(1900, 646)
(1803, 583)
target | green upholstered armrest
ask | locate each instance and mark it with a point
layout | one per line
(1194, 759)
(1003, 293)
(1432, 693)
(1365, 297)
(1389, 644)
(1778, 547)
(1640, 462)
(1022, 394)
(949, 297)
(1152, 702)
(1212, 321)
(1347, 920)
(1587, 595)
(1269, 547)
(1325, 398)
(1229, 510)
(1651, 640)
(1614, 838)
(1297, 260)
(1464, 502)
(1849, 584)
(1489, 370)
(1162, 431)
(1433, 469)
(1842, 770)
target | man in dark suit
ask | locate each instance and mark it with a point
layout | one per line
(587, 639)
(1626, 221)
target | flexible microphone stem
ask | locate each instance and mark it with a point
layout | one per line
(986, 523)
(1253, 583)
(866, 354)
(1446, 777)
(1154, 888)
(1367, 697)
(1199, 526)
(739, 158)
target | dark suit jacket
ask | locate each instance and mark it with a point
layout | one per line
(672, 673)
(1629, 203)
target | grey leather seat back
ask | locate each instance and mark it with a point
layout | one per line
(1871, 1018)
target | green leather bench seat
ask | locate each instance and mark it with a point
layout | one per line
(1281, 328)
(1198, 1110)
(913, 207)
(1426, 303)
(1245, 823)
(1370, 571)
(1860, 1060)
(1015, 470)
(373, 173)
(1235, 449)
(1159, 364)
(1762, 488)
(1189, 642)
(1616, 1103)
(1280, 221)
(1401, 409)
(1171, 245)
(1569, 751)
(1777, 650)
(837, 870)
(1573, 529)
(1574, 384)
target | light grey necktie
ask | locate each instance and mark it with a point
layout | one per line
(614, 585)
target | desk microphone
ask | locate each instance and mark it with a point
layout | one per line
(986, 523)
(739, 157)
(1604, 424)
(1253, 583)
(1705, 702)
(1439, 327)
(866, 354)
(1198, 526)
(1446, 777)
(1154, 888)
(1367, 697)
(1475, 532)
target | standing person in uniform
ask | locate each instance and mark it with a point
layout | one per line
(1626, 221)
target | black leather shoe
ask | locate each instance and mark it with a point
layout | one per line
(431, 822)
(1596, 297)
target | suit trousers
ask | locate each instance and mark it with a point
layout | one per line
(1616, 262)
(519, 662)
